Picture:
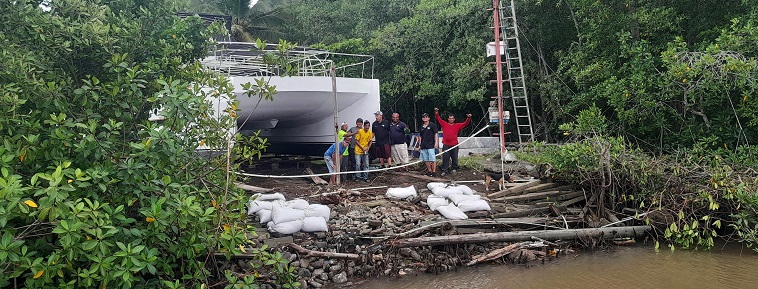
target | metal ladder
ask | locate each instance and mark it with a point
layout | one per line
(514, 72)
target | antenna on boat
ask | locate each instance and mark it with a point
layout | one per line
(337, 140)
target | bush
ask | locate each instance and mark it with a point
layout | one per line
(691, 197)
(92, 194)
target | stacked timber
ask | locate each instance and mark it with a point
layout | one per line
(535, 198)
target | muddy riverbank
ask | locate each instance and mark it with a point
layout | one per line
(613, 268)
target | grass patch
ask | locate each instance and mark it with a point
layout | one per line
(474, 162)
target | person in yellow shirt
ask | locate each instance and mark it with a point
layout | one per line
(362, 145)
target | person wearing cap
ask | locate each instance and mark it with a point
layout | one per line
(428, 140)
(450, 131)
(398, 131)
(381, 129)
(362, 145)
(330, 157)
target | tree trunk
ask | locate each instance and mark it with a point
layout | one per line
(605, 233)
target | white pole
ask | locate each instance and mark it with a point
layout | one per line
(337, 140)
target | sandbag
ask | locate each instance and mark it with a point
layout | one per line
(286, 228)
(432, 185)
(268, 197)
(451, 212)
(446, 192)
(318, 210)
(401, 193)
(255, 205)
(264, 216)
(284, 214)
(457, 199)
(436, 201)
(299, 204)
(465, 189)
(474, 205)
(314, 224)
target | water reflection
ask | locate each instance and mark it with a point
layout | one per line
(620, 268)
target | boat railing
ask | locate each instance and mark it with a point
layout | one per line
(245, 59)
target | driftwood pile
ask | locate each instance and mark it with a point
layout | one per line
(370, 235)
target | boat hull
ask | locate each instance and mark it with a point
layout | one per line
(300, 119)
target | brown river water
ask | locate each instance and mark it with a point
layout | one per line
(638, 267)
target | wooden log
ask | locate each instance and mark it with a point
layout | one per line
(552, 235)
(315, 179)
(514, 190)
(247, 187)
(510, 222)
(479, 223)
(497, 253)
(311, 253)
(477, 230)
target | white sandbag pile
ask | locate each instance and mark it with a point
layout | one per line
(436, 201)
(402, 193)
(474, 205)
(457, 199)
(289, 217)
(462, 199)
(451, 212)
(433, 185)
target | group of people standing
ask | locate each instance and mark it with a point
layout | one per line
(390, 141)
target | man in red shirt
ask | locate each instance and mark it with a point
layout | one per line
(450, 131)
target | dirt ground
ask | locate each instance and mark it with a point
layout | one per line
(303, 187)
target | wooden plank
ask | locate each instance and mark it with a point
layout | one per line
(276, 242)
(247, 187)
(527, 212)
(540, 187)
(535, 196)
(514, 190)
(573, 201)
(315, 179)
(551, 235)
(559, 198)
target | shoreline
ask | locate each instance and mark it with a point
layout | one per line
(365, 225)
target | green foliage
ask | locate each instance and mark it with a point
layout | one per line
(590, 122)
(92, 194)
(691, 197)
(249, 148)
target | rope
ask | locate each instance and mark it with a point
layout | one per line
(353, 172)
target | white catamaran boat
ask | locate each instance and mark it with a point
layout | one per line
(300, 119)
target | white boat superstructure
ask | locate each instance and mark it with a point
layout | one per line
(300, 119)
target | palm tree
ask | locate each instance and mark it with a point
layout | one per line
(262, 20)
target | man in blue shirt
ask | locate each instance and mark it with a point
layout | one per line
(330, 157)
